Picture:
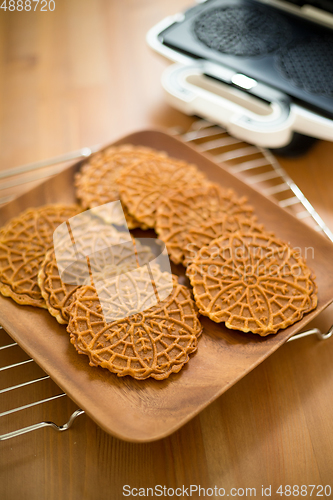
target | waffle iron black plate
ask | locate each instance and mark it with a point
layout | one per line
(274, 47)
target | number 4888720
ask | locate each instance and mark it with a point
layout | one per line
(27, 5)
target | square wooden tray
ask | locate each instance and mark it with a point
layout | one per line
(147, 410)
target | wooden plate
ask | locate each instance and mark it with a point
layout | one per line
(148, 410)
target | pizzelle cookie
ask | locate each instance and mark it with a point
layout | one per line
(110, 253)
(189, 208)
(153, 343)
(23, 243)
(143, 184)
(252, 282)
(57, 294)
(200, 236)
(96, 183)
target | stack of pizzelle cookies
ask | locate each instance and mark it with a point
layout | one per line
(241, 274)
(154, 342)
(24, 241)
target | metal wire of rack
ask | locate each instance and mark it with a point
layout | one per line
(256, 166)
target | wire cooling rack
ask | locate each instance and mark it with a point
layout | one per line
(256, 166)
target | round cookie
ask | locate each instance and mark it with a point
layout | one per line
(252, 282)
(23, 243)
(58, 295)
(189, 208)
(153, 343)
(200, 236)
(104, 261)
(96, 183)
(143, 184)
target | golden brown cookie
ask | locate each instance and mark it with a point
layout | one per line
(252, 282)
(202, 235)
(57, 294)
(189, 208)
(96, 183)
(152, 343)
(109, 252)
(24, 241)
(143, 184)
(131, 291)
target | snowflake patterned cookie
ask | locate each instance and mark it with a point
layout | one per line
(24, 241)
(252, 282)
(97, 182)
(186, 209)
(144, 184)
(152, 343)
(202, 235)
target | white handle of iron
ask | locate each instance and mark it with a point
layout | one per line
(272, 128)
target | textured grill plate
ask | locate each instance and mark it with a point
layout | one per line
(309, 65)
(241, 30)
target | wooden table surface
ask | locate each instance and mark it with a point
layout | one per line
(83, 75)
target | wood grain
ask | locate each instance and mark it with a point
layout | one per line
(272, 427)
